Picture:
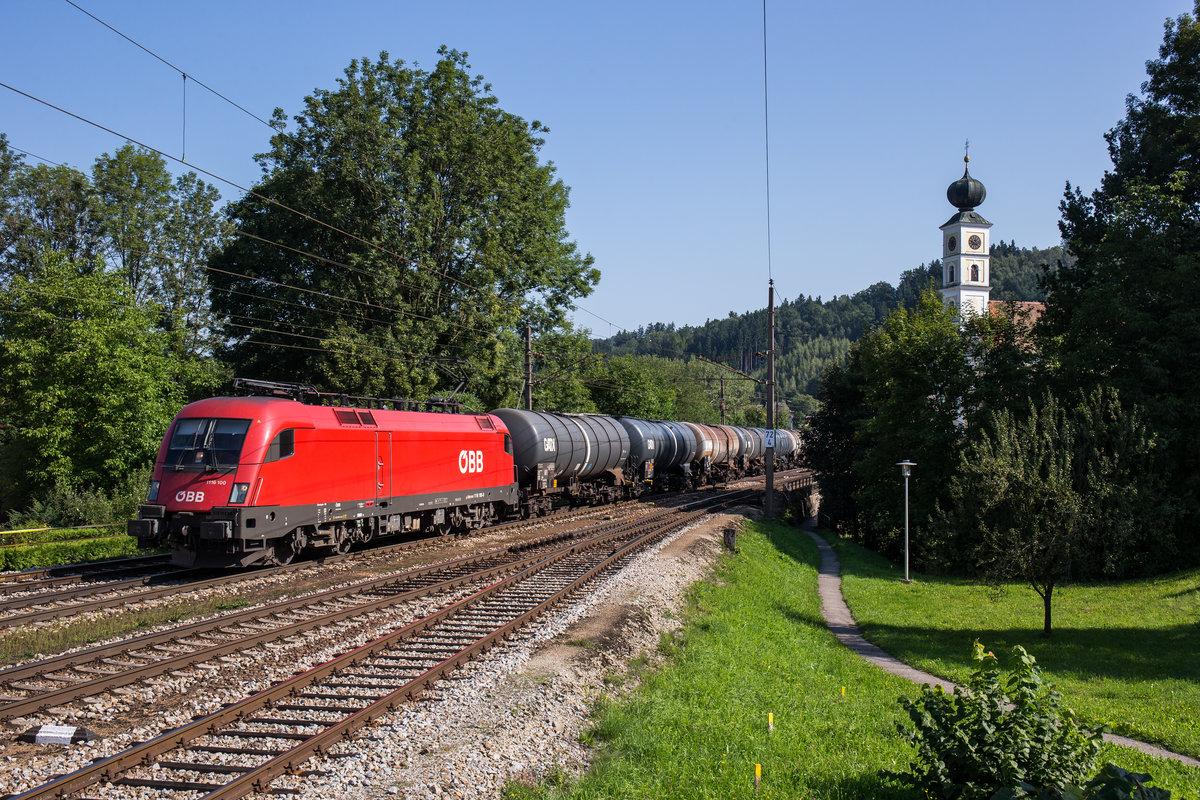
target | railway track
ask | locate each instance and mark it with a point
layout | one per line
(243, 748)
(51, 682)
(100, 590)
(34, 580)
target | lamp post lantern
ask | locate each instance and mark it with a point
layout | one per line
(906, 470)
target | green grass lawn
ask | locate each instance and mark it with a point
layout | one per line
(754, 644)
(1125, 654)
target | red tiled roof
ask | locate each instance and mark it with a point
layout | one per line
(1027, 311)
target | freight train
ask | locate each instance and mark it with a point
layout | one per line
(258, 479)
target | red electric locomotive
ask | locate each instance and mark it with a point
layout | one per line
(241, 481)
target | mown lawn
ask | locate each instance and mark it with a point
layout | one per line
(754, 644)
(1126, 654)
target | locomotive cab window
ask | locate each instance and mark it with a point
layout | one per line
(282, 446)
(206, 445)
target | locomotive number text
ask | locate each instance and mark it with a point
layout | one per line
(470, 461)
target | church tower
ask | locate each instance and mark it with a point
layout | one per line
(966, 253)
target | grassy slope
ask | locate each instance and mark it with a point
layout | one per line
(755, 644)
(1125, 654)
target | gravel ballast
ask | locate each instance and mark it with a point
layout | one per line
(518, 713)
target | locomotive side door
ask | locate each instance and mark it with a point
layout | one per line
(383, 465)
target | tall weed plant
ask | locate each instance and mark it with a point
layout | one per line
(1001, 730)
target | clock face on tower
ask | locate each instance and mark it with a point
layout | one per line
(975, 242)
(952, 244)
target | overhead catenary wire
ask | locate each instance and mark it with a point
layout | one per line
(402, 312)
(239, 187)
(172, 66)
(265, 199)
(34, 155)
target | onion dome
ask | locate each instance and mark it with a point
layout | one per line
(966, 192)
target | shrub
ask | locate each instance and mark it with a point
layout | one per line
(66, 504)
(55, 553)
(999, 731)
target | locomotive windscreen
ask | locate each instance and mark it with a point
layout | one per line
(206, 445)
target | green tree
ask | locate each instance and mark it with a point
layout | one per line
(562, 359)
(1028, 515)
(631, 386)
(440, 232)
(192, 233)
(132, 201)
(1125, 313)
(830, 448)
(47, 209)
(1008, 368)
(1059, 493)
(915, 382)
(89, 384)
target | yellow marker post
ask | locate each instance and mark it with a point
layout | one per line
(843, 692)
(757, 776)
(770, 723)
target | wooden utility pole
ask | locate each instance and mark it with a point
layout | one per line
(769, 503)
(722, 400)
(528, 367)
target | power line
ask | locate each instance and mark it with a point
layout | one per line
(172, 66)
(402, 312)
(237, 186)
(271, 202)
(602, 319)
(34, 155)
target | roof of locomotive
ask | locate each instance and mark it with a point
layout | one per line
(292, 413)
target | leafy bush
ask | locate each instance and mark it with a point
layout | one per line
(1112, 783)
(35, 536)
(999, 731)
(67, 504)
(55, 553)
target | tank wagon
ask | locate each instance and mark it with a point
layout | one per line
(242, 481)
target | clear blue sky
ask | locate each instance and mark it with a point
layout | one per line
(656, 116)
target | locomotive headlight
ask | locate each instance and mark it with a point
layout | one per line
(153, 492)
(238, 495)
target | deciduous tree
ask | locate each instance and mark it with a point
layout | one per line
(1058, 493)
(89, 384)
(409, 221)
(1126, 313)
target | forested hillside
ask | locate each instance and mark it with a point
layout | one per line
(812, 332)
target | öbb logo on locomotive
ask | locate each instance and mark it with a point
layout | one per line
(470, 461)
(281, 466)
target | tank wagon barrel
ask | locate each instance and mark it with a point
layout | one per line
(582, 455)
